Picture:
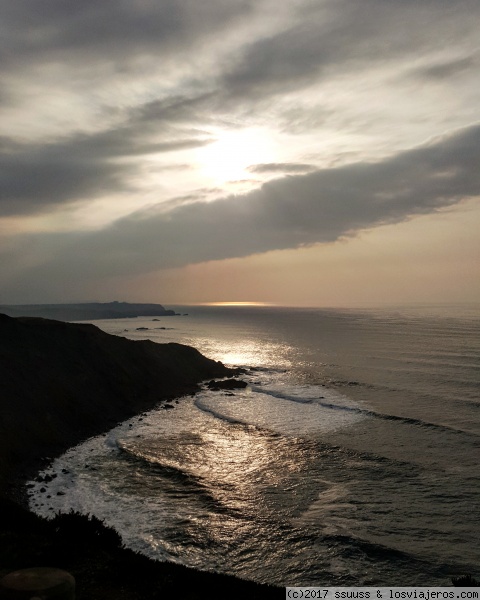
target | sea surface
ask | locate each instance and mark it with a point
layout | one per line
(352, 457)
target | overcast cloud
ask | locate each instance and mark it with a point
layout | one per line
(143, 135)
(285, 213)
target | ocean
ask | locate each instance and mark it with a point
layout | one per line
(352, 457)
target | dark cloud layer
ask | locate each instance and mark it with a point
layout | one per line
(286, 213)
(319, 207)
(111, 30)
(448, 69)
(35, 177)
(281, 168)
(343, 37)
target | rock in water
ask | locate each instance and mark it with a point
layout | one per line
(226, 384)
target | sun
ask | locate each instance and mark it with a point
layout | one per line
(229, 156)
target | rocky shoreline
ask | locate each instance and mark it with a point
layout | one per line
(65, 382)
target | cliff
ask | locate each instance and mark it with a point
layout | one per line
(64, 382)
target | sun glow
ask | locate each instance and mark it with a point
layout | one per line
(237, 304)
(228, 158)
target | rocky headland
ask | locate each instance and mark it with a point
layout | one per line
(87, 311)
(62, 383)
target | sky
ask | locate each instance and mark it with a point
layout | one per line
(303, 153)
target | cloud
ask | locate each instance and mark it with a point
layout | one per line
(289, 212)
(177, 108)
(449, 68)
(67, 67)
(97, 98)
(35, 177)
(119, 55)
(281, 168)
(343, 37)
(111, 30)
(71, 42)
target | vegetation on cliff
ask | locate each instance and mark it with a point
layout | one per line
(102, 568)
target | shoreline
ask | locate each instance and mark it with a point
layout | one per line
(15, 483)
(63, 384)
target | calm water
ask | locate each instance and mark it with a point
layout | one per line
(351, 458)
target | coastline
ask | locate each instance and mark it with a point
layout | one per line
(64, 383)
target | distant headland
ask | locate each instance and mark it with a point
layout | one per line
(86, 311)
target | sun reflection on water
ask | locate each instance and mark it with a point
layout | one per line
(232, 475)
(247, 352)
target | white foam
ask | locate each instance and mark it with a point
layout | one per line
(98, 481)
(288, 409)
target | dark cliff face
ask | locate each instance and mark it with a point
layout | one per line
(64, 382)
